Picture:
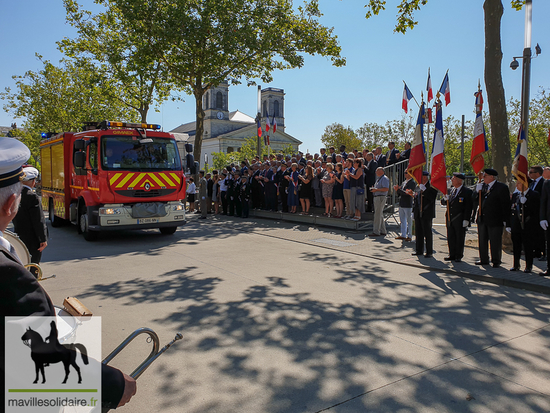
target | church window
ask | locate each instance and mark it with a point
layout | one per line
(265, 109)
(276, 109)
(206, 102)
(219, 100)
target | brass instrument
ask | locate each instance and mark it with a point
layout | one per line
(155, 352)
(24, 256)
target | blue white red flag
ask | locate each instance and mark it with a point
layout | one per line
(479, 144)
(519, 167)
(439, 171)
(429, 88)
(417, 158)
(259, 128)
(274, 123)
(267, 125)
(445, 89)
(407, 95)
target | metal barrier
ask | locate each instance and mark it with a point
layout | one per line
(396, 175)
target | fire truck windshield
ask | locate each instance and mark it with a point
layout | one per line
(126, 152)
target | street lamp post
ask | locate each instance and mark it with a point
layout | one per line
(526, 74)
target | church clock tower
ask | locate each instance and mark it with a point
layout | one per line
(215, 102)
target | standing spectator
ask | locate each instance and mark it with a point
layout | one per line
(406, 153)
(223, 193)
(391, 155)
(244, 195)
(405, 207)
(459, 203)
(546, 173)
(343, 153)
(492, 217)
(305, 189)
(216, 192)
(293, 188)
(332, 155)
(323, 154)
(202, 194)
(380, 191)
(318, 174)
(282, 185)
(524, 222)
(347, 188)
(237, 195)
(424, 213)
(209, 192)
(535, 174)
(190, 191)
(270, 189)
(357, 189)
(327, 186)
(379, 158)
(29, 222)
(338, 190)
(544, 217)
(370, 178)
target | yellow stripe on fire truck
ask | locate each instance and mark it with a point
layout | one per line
(135, 180)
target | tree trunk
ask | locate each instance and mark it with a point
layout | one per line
(198, 91)
(500, 141)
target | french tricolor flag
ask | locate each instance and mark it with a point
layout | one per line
(259, 128)
(519, 167)
(407, 95)
(274, 123)
(439, 171)
(267, 125)
(417, 157)
(429, 88)
(479, 144)
(445, 89)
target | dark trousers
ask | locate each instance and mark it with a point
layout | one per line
(245, 209)
(238, 208)
(539, 246)
(523, 239)
(456, 235)
(231, 203)
(271, 197)
(491, 235)
(423, 229)
(284, 198)
(370, 198)
(223, 196)
(256, 195)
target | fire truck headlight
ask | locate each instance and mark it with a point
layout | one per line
(110, 211)
(177, 208)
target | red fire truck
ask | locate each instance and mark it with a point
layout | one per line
(111, 176)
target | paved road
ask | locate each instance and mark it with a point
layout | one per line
(287, 320)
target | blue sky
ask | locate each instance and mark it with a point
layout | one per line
(369, 89)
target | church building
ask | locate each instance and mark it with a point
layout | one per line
(226, 131)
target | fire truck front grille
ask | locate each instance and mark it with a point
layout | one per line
(146, 194)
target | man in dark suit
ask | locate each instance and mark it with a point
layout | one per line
(406, 153)
(493, 215)
(545, 216)
(370, 178)
(379, 158)
(459, 204)
(20, 292)
(535, 174)
(391, 155)
(282, 185)
(29, 223)
(524, 222)
(424, 213)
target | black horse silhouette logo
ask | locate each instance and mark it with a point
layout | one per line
(44, 353)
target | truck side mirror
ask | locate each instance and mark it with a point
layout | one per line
(79, 159)
(79, 145)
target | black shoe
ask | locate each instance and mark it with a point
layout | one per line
(544, 274)
(417, 253)
(496, 265)
(481, 263)
(543, 258)
(202, 217)
(428, 255)
(458, 260)
(514, 269)
(528, 270)
(449, 259)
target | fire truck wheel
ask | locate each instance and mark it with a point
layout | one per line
(55, 221)
(83, 226)
(168, 230)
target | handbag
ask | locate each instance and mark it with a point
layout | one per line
(360, 191)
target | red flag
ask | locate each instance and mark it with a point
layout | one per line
(259, 128)
(429, 88)
(267, 125)
(519, 167)
(417, 158)
(445, 89)
(429, 111)
(274, 123)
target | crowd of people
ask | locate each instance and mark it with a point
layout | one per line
(341, 183)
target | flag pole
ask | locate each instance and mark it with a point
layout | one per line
(411, 94)
(428, 139)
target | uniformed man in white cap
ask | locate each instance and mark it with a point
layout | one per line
(29, 223)
(20, 292)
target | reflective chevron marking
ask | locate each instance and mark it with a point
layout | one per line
(126, 179)
(168, 181)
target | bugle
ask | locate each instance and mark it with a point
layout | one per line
(24, 256)
(155, 352)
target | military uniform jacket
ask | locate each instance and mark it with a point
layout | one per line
(405, 200)
(426, 199)
(525, 216)
(495, 205)
(22, 295)
(29, 222)
(460, 206)
(545, 201)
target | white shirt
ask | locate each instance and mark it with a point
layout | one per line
(191, 189)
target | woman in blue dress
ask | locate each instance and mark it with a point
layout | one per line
(293, 198)
(338, 191)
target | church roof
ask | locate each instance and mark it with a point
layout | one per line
(238, 116)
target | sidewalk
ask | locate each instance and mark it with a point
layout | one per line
(389, 249)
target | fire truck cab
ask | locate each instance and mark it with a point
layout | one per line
(113, 176)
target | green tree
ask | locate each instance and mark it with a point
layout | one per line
(61, 98)
(124, 68)
(493, 10)
(205, 42)
(336, 135)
